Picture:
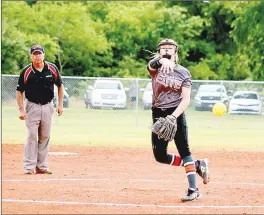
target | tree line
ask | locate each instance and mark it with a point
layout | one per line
(217, 40)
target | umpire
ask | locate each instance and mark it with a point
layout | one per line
(37, 80)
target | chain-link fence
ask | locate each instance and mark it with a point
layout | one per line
(134, 93)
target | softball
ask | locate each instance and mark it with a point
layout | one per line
(219, 109)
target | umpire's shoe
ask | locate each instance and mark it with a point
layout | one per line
(191, 195)
(29, 172)
(43, 171)
(203, 170)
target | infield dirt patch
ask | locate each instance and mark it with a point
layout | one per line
(129, 181)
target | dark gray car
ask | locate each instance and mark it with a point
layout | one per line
(209, 94)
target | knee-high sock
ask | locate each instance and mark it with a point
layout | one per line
(190, 170)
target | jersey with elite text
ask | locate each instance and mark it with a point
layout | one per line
(167, 88)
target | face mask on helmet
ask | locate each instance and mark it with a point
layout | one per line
(168, 56)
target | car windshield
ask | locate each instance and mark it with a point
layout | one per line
(108, 85)
(211, 88)
(246, 96)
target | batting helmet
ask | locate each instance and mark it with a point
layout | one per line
(168, 42)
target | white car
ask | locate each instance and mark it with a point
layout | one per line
(245, 102)
(147, 96)
(106, 94)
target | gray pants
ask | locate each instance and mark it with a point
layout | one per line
(38, 123)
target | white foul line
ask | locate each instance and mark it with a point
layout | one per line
(129, 179)
(132, 205)
(239, 183)
(57, 179)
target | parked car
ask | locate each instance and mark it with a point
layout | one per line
(106, 94)
(209, 94)
(147, 96)
(65, 97)
(245, 102)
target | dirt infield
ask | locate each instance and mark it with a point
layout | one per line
(101, 180)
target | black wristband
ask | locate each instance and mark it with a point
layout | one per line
(154, 63)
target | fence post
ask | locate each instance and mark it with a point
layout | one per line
(137, 99)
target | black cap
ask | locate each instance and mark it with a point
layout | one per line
(37, 48)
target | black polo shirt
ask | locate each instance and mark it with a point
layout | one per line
(39, 86)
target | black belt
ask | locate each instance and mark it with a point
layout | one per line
(40, 103)
(163, 109)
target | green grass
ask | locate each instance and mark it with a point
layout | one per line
(129, 128)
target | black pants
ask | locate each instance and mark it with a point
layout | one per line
(160, 146)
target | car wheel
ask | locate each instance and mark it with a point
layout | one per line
(89, 106)
(65, 104)
(144, 106)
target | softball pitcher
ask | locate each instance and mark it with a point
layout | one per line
(171, 85)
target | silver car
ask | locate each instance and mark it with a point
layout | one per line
(245, 102)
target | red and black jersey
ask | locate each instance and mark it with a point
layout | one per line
(39, 86)
(167, 88)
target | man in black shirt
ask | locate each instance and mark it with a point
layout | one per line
(37, 81)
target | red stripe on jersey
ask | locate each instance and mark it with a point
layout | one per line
(27, 72)
(53, 70)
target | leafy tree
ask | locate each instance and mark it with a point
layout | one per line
(137, 27)
(71, 33)
(16, 42)
(202, 71)
(220, 40)
(14, 50)
(16, 46)
(248, 33)
(74, 31)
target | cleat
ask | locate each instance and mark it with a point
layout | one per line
(203, 170)
(191, 195)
